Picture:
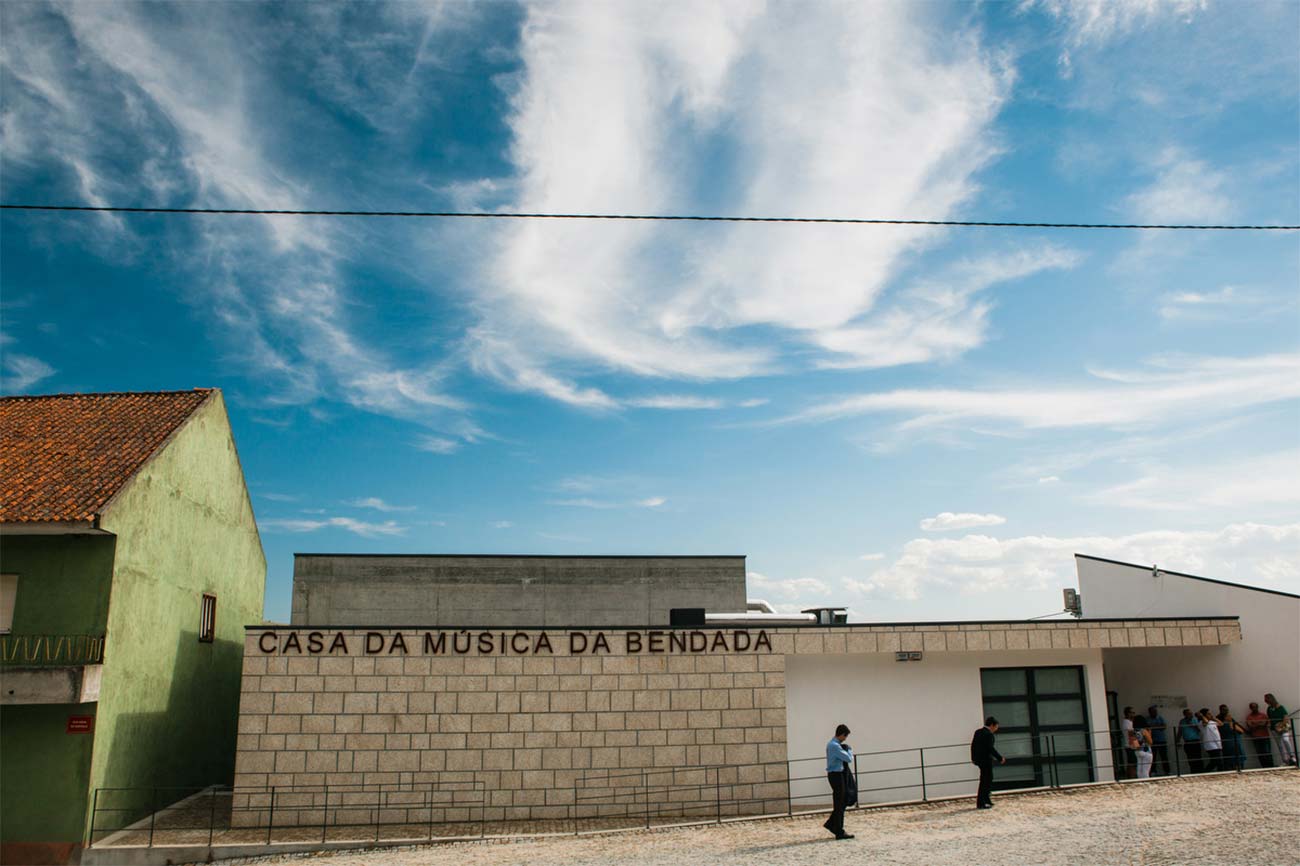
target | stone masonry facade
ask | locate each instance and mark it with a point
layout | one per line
(414, 726)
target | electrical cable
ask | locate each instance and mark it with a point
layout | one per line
(641, 217)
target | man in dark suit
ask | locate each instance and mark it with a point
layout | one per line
(982, 755)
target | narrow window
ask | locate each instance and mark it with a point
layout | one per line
(8, 596)
(208, 618)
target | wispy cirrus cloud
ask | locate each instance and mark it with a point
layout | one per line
(377, 504)
(940, 318)
(1099, 21)
(603, 504)
(1257, 481)
(1184, 189)
(1169, 389)
(655, 300)
(181, 109)
(22, 372)
(1226, 304)
(437, 444)
(356, 527)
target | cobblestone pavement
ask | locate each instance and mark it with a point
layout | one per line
(1248, 819)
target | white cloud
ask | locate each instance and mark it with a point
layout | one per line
(675, 401)
(871, 557)
(803, 590)
(1049, 479)
(1229, 303)
(21, 372)
(377, 504)
(356, 527)
(1184, 190)
(584, 502)
(1258, 481)
(603, 504)
(178, 109)
(621, 108)
(947, 521)
(1172, 389)
(280, 497)
(936, 320)
(501, 524)
(1100, 21)
(437, 444)
(1268, 555)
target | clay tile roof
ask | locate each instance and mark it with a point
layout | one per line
(64, 456)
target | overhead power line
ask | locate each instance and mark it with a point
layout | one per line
(705, 218)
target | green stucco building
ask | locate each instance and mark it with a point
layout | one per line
(131, 563)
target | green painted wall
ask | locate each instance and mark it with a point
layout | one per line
(63, 588)
(44, 773)
(63, 582)
(168, 704)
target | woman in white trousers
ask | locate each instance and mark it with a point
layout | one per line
(1142, 747)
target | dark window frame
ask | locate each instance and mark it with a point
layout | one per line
(1038, 760)
(208, 618)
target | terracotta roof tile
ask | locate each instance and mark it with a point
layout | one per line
(64, 456)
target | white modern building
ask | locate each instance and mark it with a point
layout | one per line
(1266, 659)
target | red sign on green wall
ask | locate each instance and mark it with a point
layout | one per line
(80, 724)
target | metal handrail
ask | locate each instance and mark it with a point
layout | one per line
(407, 804)
(638, 796)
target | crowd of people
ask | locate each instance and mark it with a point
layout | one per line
(1210, 741)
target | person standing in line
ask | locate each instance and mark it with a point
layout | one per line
(1257, 730)
(1126, 735)
(839, 756)
(1189, 731)
(1142, 747)
(1281, 725)
(1159, 742)
(1212, 740)
(982, 755)
(1234, 740)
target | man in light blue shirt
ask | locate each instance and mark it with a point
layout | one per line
(839, 757)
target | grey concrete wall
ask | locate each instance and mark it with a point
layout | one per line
(503, 591)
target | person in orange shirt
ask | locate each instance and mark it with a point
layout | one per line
(1257, 730)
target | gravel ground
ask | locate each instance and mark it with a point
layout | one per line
(1246, 819)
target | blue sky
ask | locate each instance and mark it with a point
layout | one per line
(911, 422)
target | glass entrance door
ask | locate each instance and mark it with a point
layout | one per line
(1043, 725)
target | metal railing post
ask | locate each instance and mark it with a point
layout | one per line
(212, 813)
(789, 790)
(645, 789)
(924, 796)
(575, 805)
(379, 800)
(153, 813)
(325, 813)
(1295, 755)
(1054, 774)
(94, 811)
(717, 790)
(431, 784)
(270, 818)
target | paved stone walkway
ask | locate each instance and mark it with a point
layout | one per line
(1250, 819)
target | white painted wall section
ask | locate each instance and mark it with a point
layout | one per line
(900, 707)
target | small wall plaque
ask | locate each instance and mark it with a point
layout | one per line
(80, 725)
